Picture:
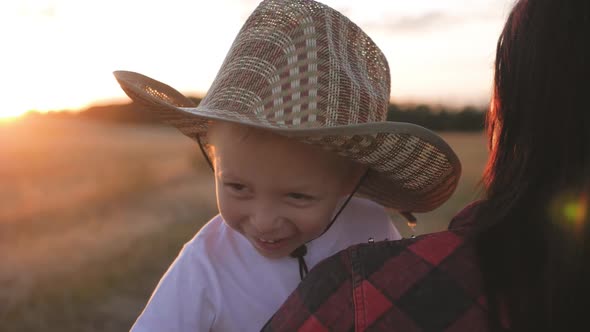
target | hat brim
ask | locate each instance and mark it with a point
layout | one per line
(410, 167)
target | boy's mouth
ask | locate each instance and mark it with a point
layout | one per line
(268, 240)
(270, 244)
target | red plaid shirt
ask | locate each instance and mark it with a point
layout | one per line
(428, 283)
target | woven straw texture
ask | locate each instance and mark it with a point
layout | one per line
(302, 69)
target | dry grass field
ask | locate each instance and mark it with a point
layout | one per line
(91, 215)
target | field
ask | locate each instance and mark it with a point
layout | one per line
(91, 215)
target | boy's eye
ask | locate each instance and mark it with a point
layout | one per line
(235, 186)
(300, 196)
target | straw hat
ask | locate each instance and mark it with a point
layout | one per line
(303, 70)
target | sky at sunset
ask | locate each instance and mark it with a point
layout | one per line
(59, 54)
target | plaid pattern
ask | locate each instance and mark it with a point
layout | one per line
(428, 283)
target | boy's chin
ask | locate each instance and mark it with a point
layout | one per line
(272, 255)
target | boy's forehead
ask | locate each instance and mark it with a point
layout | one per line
(226, 136)
(222, 131)
(238, 144)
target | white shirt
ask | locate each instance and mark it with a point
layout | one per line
(219, 282)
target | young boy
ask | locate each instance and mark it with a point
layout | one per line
(294, 125)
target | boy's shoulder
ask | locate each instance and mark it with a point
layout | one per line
(363, 219)
(360, 207)
(216, 244)
(208, 241)
(212, 232)
(364, 202)
(364, 213)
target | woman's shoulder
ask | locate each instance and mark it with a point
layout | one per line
(465, 217)
(432, 248)
(419, 276)
(429, 250)
(411, 279)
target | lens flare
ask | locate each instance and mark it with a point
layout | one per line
(575, 211)
(570, 210)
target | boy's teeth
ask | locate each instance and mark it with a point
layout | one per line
(267, 241)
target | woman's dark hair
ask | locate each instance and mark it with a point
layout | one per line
(534, 237)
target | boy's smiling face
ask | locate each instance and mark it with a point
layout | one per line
(276, 192)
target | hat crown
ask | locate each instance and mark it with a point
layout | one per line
(301, 64)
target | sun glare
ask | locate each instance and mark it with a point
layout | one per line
(11, 111)
(63, 54)
(8, 119)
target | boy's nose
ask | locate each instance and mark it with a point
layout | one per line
(265, 220)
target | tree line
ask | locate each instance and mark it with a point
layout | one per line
(434, 118)
(468, 118)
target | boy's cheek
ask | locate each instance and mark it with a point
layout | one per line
(312, 228)
(230, 215)
(226, 204)
(232, 224)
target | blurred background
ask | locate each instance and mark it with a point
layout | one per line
(96, 198)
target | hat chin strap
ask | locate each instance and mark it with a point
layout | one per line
(302, 249)
(205, 153)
